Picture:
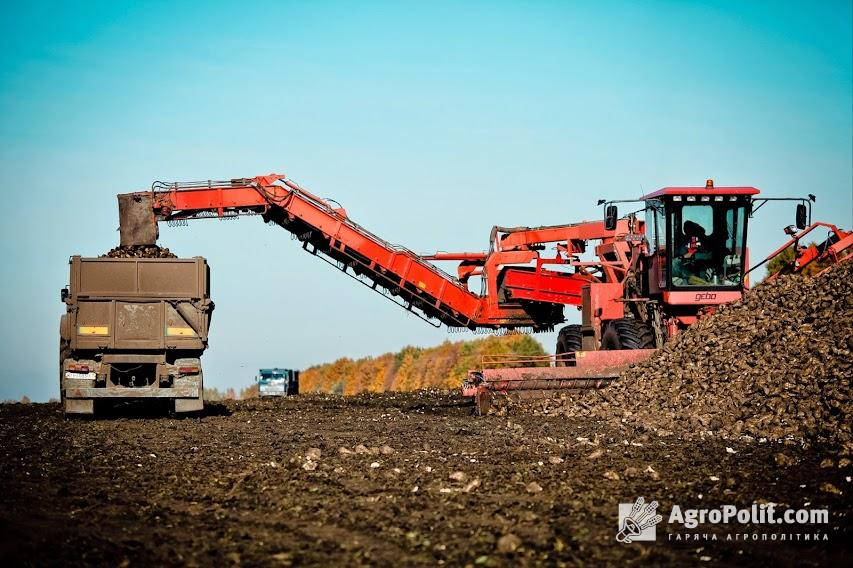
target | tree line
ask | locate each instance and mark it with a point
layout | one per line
(411, 368)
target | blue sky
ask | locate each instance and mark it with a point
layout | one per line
(429, 121)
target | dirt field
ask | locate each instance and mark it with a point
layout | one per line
(392, 479)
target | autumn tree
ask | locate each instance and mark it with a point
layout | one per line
(212, 394)
(250, 391)
(405, 360)
(442, 366)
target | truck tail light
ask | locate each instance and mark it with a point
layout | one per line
(78, 368)
(188, 370)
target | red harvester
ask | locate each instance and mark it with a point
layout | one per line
(652, 274)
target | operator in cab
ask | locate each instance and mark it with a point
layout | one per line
(693, 253)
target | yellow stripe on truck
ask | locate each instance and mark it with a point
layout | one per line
(179, 331)
(93, 330)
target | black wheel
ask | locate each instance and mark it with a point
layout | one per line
(569, 340)
(627, 334)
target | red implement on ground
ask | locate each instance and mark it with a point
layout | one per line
(530, 377)
(837, 247)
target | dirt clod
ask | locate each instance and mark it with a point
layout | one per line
(782, 459)
(508, 543)
(313, 454)
(458, 476)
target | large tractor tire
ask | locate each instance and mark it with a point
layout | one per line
(569, 340)
(627, 334)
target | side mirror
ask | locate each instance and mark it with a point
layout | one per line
(63, 295)
(611, 215)
(801, 216)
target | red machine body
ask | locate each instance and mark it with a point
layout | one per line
(836, 248)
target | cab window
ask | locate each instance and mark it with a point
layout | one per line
(707, 243)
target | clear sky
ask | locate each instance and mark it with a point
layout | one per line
(429, 121)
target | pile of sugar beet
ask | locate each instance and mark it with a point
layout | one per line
(140, 251)
(776, 364)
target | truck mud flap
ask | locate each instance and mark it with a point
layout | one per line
(141, 392)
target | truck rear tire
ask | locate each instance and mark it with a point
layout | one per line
(627, 333)
(569, 340)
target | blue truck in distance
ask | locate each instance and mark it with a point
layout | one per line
(277, 382)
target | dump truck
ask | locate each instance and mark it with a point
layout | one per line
(134, 328)
(277, 382)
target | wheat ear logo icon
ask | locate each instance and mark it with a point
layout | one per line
(641, 517)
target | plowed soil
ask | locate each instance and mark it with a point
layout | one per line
(393, 479)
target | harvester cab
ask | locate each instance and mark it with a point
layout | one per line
(691, 258)
(697, 242)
